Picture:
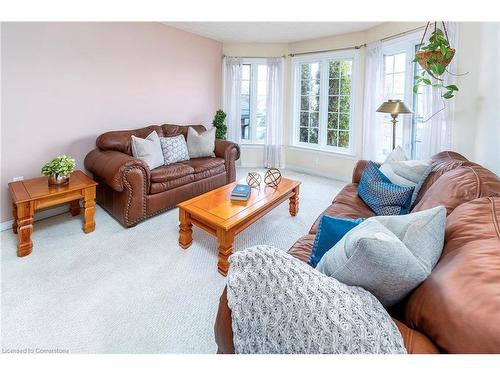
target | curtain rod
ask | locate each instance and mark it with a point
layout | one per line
(337, 49)
(254, 57)
(327, 50)
(402, 33)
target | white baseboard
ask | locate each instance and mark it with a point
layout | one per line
(38, 216)
(251, 165)
(313, 172)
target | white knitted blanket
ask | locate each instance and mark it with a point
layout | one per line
(282, 305)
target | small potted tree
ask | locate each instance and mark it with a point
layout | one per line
(219, 124)
(59, 169)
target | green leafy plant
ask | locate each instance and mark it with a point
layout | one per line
(61, 166)
(434, 57)
(219, 124)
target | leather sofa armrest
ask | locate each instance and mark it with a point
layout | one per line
(230, 152)
(110, 167)
(415, 342)
(226, 149)
(223, 327)
(358, 170)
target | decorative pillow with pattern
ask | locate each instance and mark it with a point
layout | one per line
(381, 195)
(174, 149)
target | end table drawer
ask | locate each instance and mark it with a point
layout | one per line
(58, 199)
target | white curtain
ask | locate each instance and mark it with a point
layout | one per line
(274, 113)
(373, 97)
(439, 112)
(232, 93)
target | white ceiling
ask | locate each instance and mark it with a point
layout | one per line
(270, 32)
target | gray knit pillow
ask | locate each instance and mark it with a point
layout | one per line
(174, 149)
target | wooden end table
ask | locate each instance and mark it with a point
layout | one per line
(29, 196)
(215, 213)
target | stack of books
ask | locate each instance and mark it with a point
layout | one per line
(241, 192)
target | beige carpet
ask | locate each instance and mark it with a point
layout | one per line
(134, 290)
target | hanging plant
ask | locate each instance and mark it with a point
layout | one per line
(434, 57)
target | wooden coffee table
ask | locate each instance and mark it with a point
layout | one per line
(215, 213)
(35, 194)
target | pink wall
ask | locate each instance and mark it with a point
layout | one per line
(63, 84)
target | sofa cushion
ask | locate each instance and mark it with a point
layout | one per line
(458, 186)
(206, 167)
(302, 248)
(170, 172)
(458, 306)
(119, 140)
(441, 163)
(347, 204)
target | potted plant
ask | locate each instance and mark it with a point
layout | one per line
(59, 169)
(434, 57)
(220, 126)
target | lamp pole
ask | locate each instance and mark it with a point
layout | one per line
(394, 121)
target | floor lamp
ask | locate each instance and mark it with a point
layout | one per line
(394, 108)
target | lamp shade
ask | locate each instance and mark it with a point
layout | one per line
(394, 107)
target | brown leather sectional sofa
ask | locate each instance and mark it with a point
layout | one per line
(131, 192)
(457, 309)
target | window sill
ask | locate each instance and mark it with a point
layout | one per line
(251, 145)
(346, 154)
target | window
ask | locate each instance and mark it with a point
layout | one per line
(399, 73)
(323, 108)
(253, 101)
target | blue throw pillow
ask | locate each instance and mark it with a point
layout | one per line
(330, 231)
(381, 195)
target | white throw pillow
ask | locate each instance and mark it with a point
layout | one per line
(403, 172)
(388, 255)
(148, 150)
(201, 145)
(174, 149)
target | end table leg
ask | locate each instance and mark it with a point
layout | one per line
(74, 208)
(225, 240)
(185, 229)
(294, 202)
(14, 218)
(25, 212)
(89, 209)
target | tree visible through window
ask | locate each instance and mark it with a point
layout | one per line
(323, 109)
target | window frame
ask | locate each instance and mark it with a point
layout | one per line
(323, 59)
(254, 63)
(405, 44)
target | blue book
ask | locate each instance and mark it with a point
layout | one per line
(241, 191)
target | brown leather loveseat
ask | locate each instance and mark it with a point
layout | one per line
(131, 192)
(457, 309)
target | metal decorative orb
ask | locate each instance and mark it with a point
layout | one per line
(254, 179)
(272, 177)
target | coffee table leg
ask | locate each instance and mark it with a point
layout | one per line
(25, 212)
(89, 209)
(74, 208)
(185, 229)
(225, 240)
(294, 202)
(14, 218)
